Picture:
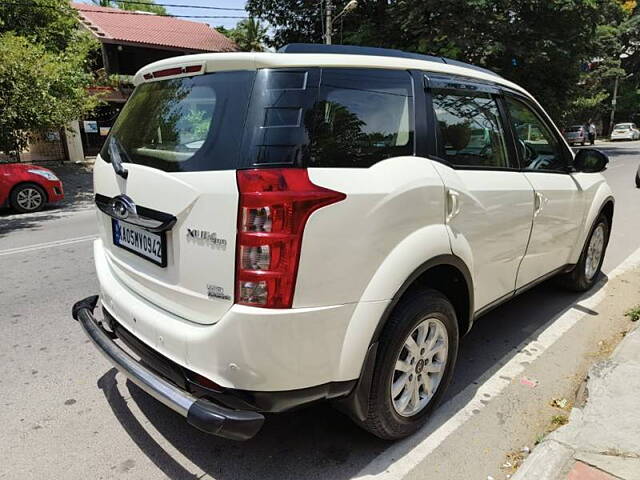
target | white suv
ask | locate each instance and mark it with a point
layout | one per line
(326, 223)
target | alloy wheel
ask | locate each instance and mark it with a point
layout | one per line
(29, 198)
(419, 367)
(594, 252)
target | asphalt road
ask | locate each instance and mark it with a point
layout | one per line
(66, 414)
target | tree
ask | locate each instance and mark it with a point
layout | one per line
(143, 6)
(249, 35)
(133, 5)
(537, 43)
(52, 23)
(44, 69)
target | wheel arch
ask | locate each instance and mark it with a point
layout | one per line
(446, 273)
(28, 182)
(603, 202)
(449, 275)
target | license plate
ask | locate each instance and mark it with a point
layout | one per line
(146, 244)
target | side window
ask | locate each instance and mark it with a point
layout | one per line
(361, 117)
(469, 129)
(539, 148)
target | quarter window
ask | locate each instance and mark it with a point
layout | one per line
(539, 148)
(361, 117)
(469, 129)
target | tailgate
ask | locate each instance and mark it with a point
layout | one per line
(197, 282)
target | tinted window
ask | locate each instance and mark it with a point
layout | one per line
(186, 124)
(469, 129)
(539, 148)
(360, 118)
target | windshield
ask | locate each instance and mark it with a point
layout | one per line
(185, 124)
(623, 126)
(574, 129)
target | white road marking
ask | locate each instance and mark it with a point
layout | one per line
(400, 459)
(40, 246)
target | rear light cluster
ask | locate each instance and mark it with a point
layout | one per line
(273, 210)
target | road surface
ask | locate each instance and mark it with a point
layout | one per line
(66, 414)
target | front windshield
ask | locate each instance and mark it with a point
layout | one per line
(185, 124)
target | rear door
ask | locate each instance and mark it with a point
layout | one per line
(490, 202)
(559, 205)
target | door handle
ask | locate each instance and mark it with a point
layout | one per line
(453, 204)
(539, 200)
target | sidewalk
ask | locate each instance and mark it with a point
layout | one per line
(602, 439)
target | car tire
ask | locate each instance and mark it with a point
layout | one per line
(638, 180)
(585, 273)
(430, 315)
(27, 198)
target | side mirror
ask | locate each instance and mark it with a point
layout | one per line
(590, 160)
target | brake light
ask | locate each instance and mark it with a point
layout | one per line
(274, 207)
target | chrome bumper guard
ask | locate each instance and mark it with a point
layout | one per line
(199, 412)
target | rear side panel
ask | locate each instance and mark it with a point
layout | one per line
(345, 244)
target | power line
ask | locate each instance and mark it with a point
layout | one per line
(123, 12)
(203, 7)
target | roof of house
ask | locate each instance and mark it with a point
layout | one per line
(152, 30)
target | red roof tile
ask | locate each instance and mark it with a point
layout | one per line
(121, 25)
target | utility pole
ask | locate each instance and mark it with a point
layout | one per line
(327, 35)
(613, 103)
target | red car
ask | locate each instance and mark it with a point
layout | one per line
(27, 188)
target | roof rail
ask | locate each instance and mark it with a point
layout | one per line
(375, 51)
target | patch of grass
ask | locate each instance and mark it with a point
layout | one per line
(559, 420)
(633, 313)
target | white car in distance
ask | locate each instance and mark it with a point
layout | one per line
(625, 131)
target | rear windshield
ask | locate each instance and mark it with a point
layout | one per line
(333, 117)
(623, 126)
(184, 124)
(574, 129)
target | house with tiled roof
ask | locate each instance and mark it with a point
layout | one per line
(130, 40)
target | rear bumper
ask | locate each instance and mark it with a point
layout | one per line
(200, 413)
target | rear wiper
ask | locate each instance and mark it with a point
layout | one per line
(116, 159)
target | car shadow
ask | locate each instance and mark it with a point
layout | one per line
(320, 442)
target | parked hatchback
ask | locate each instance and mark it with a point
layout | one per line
(576, 134)
(326, 223)
(28, 188)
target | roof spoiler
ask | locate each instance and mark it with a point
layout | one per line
(375, 51)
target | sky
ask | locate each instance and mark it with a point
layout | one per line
(225, 22)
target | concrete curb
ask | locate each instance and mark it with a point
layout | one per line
(553, 459)
(548, 461)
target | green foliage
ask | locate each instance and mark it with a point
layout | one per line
(249, 35)
(633, 313)
(39, 88)
(52, 23)
(539, 44)
(143, 6)
(139, 5)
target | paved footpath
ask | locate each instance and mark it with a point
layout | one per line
(602, 439)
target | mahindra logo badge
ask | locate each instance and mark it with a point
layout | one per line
(122, 206)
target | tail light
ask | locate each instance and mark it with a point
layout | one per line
(273, 210)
